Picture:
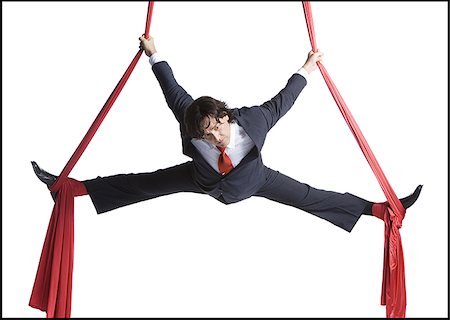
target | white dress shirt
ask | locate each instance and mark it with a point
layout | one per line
(240, 144)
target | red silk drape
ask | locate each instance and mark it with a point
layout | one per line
(52, 290)
(393, 294)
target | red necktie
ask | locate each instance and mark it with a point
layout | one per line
(225, 164)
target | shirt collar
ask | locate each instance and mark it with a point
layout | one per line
(231, 144)
(233, 129)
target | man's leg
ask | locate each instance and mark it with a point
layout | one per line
(109, 193)
(341, 209)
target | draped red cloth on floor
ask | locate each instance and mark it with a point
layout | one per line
(393, 294)
(52, 290)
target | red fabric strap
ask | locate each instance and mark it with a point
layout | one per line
(52, 290)
(393, 287)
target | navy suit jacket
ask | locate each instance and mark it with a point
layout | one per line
(249, 176)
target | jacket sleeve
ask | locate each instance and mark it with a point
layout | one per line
(176, 97)
(279, 105)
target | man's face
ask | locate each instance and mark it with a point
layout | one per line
(216, 132)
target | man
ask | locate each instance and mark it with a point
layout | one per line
(225, 147)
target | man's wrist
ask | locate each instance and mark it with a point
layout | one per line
(154, 58)
(303, 72)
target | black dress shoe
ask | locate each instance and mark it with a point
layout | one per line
(409, 200)
(406, 201)
(45, 177)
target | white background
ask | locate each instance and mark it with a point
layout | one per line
(188, 255)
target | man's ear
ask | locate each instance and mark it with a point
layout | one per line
(224, 119)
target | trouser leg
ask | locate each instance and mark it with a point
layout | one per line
(341, 209)
(108, 193)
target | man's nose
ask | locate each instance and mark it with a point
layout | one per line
(216, 135)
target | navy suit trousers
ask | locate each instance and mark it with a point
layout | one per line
(109, 193)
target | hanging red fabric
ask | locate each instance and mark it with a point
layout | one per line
(393, 294)
(52, 290)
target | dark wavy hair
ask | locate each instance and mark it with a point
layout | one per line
(202, 108)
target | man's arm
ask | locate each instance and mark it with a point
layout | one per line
(279, 105)
(176, 97)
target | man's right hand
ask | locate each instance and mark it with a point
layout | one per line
(147, 45)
